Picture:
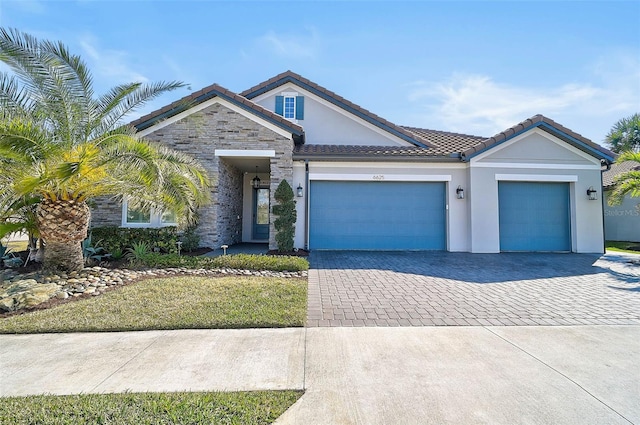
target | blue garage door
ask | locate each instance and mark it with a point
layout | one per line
(534, 216)
(377, 215)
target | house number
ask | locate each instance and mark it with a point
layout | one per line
(378, 177)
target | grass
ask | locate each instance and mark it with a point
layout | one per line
(176, 303)
(622, 246)
(16, 246)
(236, 261)
(259, 407)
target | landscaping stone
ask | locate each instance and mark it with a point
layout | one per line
(19, 291)
(26, 293)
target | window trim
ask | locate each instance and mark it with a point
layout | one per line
(293, 107)
(155, 219)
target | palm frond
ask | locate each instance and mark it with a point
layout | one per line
(15, 101)
(122, 100)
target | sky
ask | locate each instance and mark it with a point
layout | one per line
(474, 67)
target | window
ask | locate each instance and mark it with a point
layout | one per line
(289, 107)
(136, 217)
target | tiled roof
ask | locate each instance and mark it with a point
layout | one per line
(206, 94)
(290, 76)
(365, 152)
(608, 177)
(532, 122)
(446, 142)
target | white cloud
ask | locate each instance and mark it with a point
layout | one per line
(293, 46)
(477, 104)
(112, 65)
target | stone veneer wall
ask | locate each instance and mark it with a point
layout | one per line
(229, 204)
(218, 127)
(105, 211)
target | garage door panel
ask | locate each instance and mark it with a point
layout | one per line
(534, 216)
(377, 215)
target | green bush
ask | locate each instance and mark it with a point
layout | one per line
(286, 212)
(237, 261)
(190, 240)
(120, 239)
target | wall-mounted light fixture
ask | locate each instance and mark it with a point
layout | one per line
(299, 190)
(255, 182)
(460, 192)
(592, 193)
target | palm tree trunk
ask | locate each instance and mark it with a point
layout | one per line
(63, 226)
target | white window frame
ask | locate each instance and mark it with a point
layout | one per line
(285, 96)
(155, 219)
(285, 107)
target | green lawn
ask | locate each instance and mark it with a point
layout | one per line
(259, 407)
(185, 302)
(16, 246)
(622, 246)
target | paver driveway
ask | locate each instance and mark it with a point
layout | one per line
(442, 288)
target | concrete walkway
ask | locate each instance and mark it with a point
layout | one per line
(412, 375)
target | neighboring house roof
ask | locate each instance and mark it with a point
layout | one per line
(551, 127)
(369, 153)
(329, 96)
(210, 92)
(608, 177)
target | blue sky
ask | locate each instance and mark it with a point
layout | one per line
(472, 67)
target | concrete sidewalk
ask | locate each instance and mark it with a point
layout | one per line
(417, 375)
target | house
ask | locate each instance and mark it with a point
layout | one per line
(365, 183)
(621, 222)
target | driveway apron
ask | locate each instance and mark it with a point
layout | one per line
(348, 288)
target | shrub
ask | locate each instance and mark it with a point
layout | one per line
(190, 240)
(237, 261)
(122, 238)
(286, 212)
(137, 252)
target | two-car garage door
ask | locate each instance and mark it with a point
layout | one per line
(533, 216)
(377, 215)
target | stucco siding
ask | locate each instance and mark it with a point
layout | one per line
(325, 125)
(586, 215)
(453, 175)
(537, 147)
(622, 222)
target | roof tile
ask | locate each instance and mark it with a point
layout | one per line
(290, 75)
(502, 136)
(180, 104)
(608, 177)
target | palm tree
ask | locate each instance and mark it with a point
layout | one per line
(64, 146)
(627, 183)
(625, 134)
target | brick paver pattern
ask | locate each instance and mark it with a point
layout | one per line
(462, 289)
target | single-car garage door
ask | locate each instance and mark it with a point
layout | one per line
(377, 215)
(534, 216)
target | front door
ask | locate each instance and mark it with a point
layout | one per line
(261, 214)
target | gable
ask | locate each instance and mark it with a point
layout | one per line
(198, 111)
(216, 94)
(535, 148)
(327, 124)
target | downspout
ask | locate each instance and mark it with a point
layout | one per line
(604, 236)
(306, 209)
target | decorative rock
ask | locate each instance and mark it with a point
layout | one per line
(94, 281)
(26, 293)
